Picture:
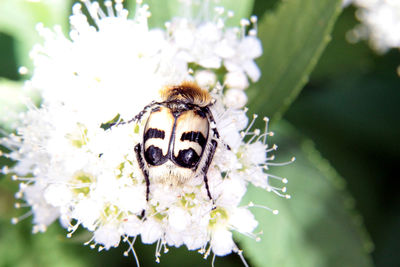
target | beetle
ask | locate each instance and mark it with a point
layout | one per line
(179, 137)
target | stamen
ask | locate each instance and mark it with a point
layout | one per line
(19, 194)
(158, 249)
(89, 241)
(21, 205)
(110, 10)
(251, 204)
(266, 119)
(100, 11)
(16, 178)
(202, 250)
(165, 247)
(240, 253)
(207, 252)
(283, 180)
(275, 190)
(273, 148)
(119, 7)
(91, 8)
(254, 30)
(255, 134)
(244, 23)
(5, 170)
(131, 248)
(281, 164)
(23, 70)
(16, 220)
(246, 132)
(250, 235)
(77, 9)
(72, 229)
(39, 228)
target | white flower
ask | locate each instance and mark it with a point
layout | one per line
(222, 242)
(248, 49)
(58, 195)
(131, 226)
(107, 235)
(87, 211)
(205, 78)
(236, 79)
(380, 23)
(76, 165)
(235, 98)
(151, 231)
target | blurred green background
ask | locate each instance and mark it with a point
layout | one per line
(349, 108)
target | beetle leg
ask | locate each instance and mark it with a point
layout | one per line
(138, 150)
(207, 165)
(139, 116)
(214, 128)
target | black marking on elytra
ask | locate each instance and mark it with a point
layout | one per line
(154, 156)
(192, 136)
(139, 158)
(154, 133)
(187, 158)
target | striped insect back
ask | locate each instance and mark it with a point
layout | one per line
(176, 135)
(157, 135)
(179, 140)
(191, 135)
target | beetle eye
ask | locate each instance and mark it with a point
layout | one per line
(187, 158)
(153, 155)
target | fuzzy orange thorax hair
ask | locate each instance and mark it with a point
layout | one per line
(187, 91)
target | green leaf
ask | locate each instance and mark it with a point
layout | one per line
(19, 247)
(162, 11)
(317, 226)
(242, 9)
(18, 18)
(46, 249)
(293, 38)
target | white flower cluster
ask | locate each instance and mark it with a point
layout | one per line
(76, 168)
(380, 23)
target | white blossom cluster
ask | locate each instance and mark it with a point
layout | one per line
(380, 23)
(75, 168)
